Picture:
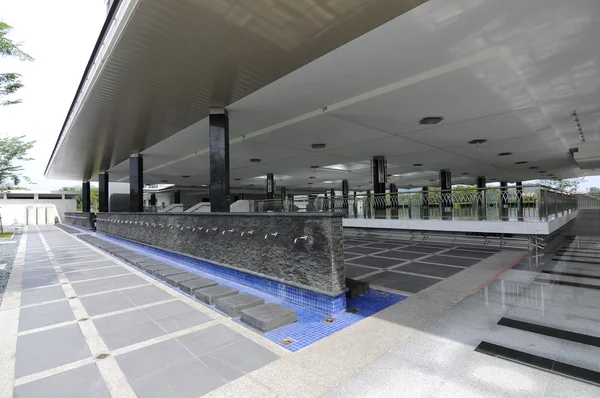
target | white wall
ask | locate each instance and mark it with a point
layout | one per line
(35, 212)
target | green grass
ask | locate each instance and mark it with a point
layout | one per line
(6, 235)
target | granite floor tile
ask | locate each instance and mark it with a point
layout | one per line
(45, 315)
(398, 281)
(457, 261)
(146, 295)
(43, 294)
(90, 287)
(96, 273)
(440, 271)
(132, 334)
(401, 255)
(106, 302)
(355, 271)
(244, 355)
(362, 250)
(162, 310)
(40, 281)
(176, 322)
(210, 339)
(467, 253)
(377, 262)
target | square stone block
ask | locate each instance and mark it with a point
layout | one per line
(152, 268)
(210, 295)
(190, 286)
(174, 280)
(268, 317)
(164, 273)
(234, 305)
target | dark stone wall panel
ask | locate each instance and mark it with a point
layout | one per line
(80, 219)
(257, 243)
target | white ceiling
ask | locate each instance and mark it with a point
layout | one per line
(510, 72)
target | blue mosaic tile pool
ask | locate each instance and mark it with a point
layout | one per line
(311, 325)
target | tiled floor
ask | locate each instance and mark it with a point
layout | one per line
(86, 325)
(405, 267)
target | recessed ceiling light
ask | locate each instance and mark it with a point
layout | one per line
(431, 120)
(255, 160)
(312, 177)
(203, 185)
(185, 176)
(477, 142)
(542, 171)
(417, 165)
(164, 180)
(533, 168)
(314, 167)
(238, 179)
(310, 183)
(505, 153)
(465, 174)
(521, 162)
(493, 179)
(318, 146)
(250, 185)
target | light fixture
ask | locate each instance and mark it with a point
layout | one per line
(578, 125)
(533, 168)
(521, 162)
(185, 176)
(431, 120)
(465, 174)
(312, 177)
(255, 160)
(477, 142)
(237, 179)
(505, 154)
(417, 165)
(542, 171)
(250, 185)
(318, 146)
(164, 181)
(314, 167)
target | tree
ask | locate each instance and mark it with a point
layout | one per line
(594, 190)
(94, 195)
(567, 184)
(13, 151)
(10, 82)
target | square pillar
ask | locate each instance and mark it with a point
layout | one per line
(481, 198)
(345, 192)
(503, 201)
(103, 192)
(177, 197)
(219, 160)
(520, 210)
(394, 200)
(446, 202)
(136, 184)
(425, 203)
(85, 197)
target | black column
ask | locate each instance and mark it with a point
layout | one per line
(177, 198)
(481, 198)
(345, 191)
(219, 160)
(332, 195)
(85, 197)
(270, 187)
(394, 200)
(425, 203)
(355, 206)
(283, 193)
(379, 167)
(152, 199)
(103, 192)
(136, 184)
(520, 210)
(446, 194)
(503, 201)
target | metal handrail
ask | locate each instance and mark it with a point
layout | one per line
(529, 203)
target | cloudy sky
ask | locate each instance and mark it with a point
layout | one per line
(60, 35)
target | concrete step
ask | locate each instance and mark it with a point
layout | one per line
(268, 317)
(210, 295)
(234, 305)
(175, 280)
(190, 286)
(356, 288)
(164, 273)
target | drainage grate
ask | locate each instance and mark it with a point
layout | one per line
(352, 310)
(102, 356)
(287, 341)
(329, 320)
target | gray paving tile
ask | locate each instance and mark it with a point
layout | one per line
(401, 255)
(47, 280)
(457, 261)
(96, 273)
(222, 367)
(398, 281)
(118, 321)
(146, 295)
(355, 242)
(190, 379)
(87, 266)
(145, 361)
(38, 272)
(167, 309)
(348, 256)
(377, 262)
(85, 381)
(355, 271)
(385, 246)
(107, 302)
(132, 334)
(48, 349)
(468, 253)
(207, 340)
(89, 287)
(176, 322)
(45, 315)
(120, 282)
(362, 250)
(423, 249)
(440, 271)
(43, 294)
(245, 355)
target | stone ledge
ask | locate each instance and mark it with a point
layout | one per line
(191, 286)
(163, 273)
(210, 295)
(268, 317)
(234, 305)
(175, 280)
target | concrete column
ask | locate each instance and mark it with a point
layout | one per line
(103, 192)
(481, 198)
(136, 184)
(446, 194)
(152, 199)
(345, 191)
(425, 203)
(503, 200)
(394, 200)
(85, 197)
(219, 160)
(355, 206)
(177, 196)
(379, 167)
(270, 187)
(520, 210)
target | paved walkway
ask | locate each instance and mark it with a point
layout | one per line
(78, 323)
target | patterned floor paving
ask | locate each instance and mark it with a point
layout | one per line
(86, 325)
(405, 267)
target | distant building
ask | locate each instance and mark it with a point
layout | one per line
(36, 208)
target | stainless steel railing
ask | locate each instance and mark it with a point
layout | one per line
(532, 203)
